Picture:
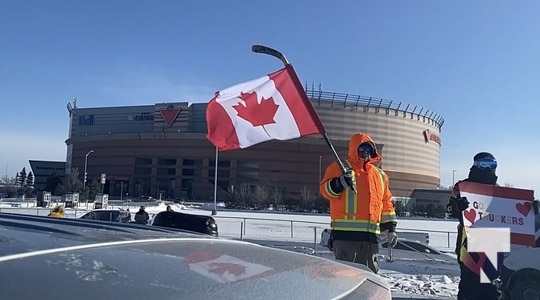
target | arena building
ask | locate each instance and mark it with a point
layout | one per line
(161, 150)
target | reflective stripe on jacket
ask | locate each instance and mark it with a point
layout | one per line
(370, 205)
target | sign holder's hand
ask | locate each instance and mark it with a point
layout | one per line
(462, 203)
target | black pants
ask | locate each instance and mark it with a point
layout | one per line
(358, 252)
(470, 287)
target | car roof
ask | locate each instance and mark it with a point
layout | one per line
(84, 259)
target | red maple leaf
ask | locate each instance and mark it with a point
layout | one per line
(222, 268)
(254, 112)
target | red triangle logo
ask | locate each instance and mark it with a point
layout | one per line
(169, 114)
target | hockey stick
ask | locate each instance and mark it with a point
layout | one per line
(390, 252)
(273, 52)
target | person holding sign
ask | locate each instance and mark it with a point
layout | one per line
(482, 171)
(360, 204)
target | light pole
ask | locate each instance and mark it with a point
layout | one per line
(453, 178)
(86, 164)
(320, 168)
(214, 211)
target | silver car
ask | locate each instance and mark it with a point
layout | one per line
(86, 259)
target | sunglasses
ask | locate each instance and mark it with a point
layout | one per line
(365, 148)
(485, 163)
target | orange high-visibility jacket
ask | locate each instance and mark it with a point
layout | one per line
(371, 205)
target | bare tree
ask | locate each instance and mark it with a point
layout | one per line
(276, 195)
(71, 184)
(307, 198)
(261, 195)
(243, 194)
(231, 197)
(10, 185)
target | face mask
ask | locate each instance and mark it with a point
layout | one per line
(485, 175)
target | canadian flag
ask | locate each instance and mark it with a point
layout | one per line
(224, 268)
(273, 107)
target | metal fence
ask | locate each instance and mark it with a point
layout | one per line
(306, 231)
(255, 228)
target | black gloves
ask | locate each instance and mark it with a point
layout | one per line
(462, 203)
(345, 180)
(456, 206)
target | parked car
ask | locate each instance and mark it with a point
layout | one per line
(195, 223)
(111, 215)
(67, 258)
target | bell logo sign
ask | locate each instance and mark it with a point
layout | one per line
(430, 136)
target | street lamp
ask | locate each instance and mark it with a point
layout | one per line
(320, 167)
(453, 178)
(85, 164)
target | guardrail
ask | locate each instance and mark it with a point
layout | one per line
(286, 229)
(260, 228)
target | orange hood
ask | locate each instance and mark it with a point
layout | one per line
(356, 140)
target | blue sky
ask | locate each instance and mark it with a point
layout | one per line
(474, 62)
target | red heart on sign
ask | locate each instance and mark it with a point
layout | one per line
(470, 215)
(524, 208)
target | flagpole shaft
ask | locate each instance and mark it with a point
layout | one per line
(329, 143)
(340, 163)
(215, 180)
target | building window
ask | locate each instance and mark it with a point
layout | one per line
(188, 172)
(188, 162)
(187, 189)
(165, 189)
(142, 188)
(143, 171)
(221, 163)
(166, 161)
(139, 161)
(166, 171)
(221, 173)
(248, 171)
(248, 165)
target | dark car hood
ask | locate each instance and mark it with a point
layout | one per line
(46, 258)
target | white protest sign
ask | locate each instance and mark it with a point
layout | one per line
(500, 207)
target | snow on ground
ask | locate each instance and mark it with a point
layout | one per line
(431, 276)
(410, 275)
(421, 278)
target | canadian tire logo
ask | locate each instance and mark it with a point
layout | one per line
(169, 114)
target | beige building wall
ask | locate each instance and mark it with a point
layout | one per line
(410, 158)
(121, 140)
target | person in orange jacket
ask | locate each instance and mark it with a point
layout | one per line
(360, 204)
